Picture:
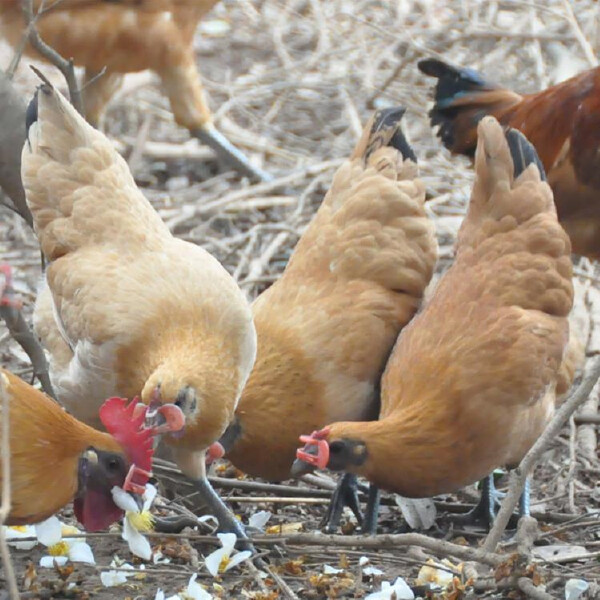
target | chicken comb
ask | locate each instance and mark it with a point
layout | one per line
(125, 423)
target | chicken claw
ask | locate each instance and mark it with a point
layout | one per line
(227, 152)
(486, 509)
(346, 494)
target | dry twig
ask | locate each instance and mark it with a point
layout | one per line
(520, 474)
(66, 67)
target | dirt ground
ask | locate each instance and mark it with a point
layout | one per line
(291, 82)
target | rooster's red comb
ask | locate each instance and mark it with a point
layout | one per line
(125, 423)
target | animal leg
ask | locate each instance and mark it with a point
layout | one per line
(345, 494)
(183, 86)
(369, 524)
(98, 89)
(484, 512)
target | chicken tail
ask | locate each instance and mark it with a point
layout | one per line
(462, 97)
(383, 129)
(79, 189)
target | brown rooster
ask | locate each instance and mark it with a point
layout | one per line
(562, 122)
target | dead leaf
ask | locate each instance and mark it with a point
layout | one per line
(285, 528)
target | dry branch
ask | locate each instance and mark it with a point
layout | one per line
(22, 334)
(520, 474)
(439, 547)
(66, 67)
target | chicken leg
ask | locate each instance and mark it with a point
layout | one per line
(486, 509)
(346, 494)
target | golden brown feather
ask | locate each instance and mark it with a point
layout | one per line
(472, 380)
(325, 329)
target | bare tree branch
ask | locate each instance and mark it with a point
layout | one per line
(64, 66)
(519, 475)
(22, 334)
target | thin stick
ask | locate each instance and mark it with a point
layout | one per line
(440, 547)
(519, 475)
(583, 42)
(283, 586)
(66, 67)
(6, 500)
(18, 328)
(527, 586)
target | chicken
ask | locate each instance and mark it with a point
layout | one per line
(326, 327)
(47, 445)
(471, 382)
(125, 36)
(562, 123)
(126, 308)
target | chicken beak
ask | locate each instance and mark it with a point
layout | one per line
(300, 467)
(166, 418)
(314, 455)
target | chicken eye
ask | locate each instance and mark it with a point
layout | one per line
(113, 464)
(336, 447)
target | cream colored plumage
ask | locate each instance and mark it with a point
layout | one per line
(127, 308)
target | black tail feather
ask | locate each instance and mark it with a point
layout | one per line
(453, 82)
(523, 153)
(31, 114)
(384, 121)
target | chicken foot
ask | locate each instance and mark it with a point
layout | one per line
(228, 153)
(346, 494)
(486, 509)
(227, 521)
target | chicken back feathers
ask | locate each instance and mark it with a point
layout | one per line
(48, 445)
(326, 327)
(562, 122)
(126, 308)
(471, 382)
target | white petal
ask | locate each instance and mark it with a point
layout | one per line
(13, 534)
(149, 496)
(575, 588)
(196, 591)
(49, 532)
(138, 544)
(228, 541)
(402, 590)
(237, 559)
(160, 595)
(260, 519)
(113, 578)
(48, 561)
(329, 570)
(372, 571)
(124, 500)
(81, 552)
(213, 560)
(158, 558)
